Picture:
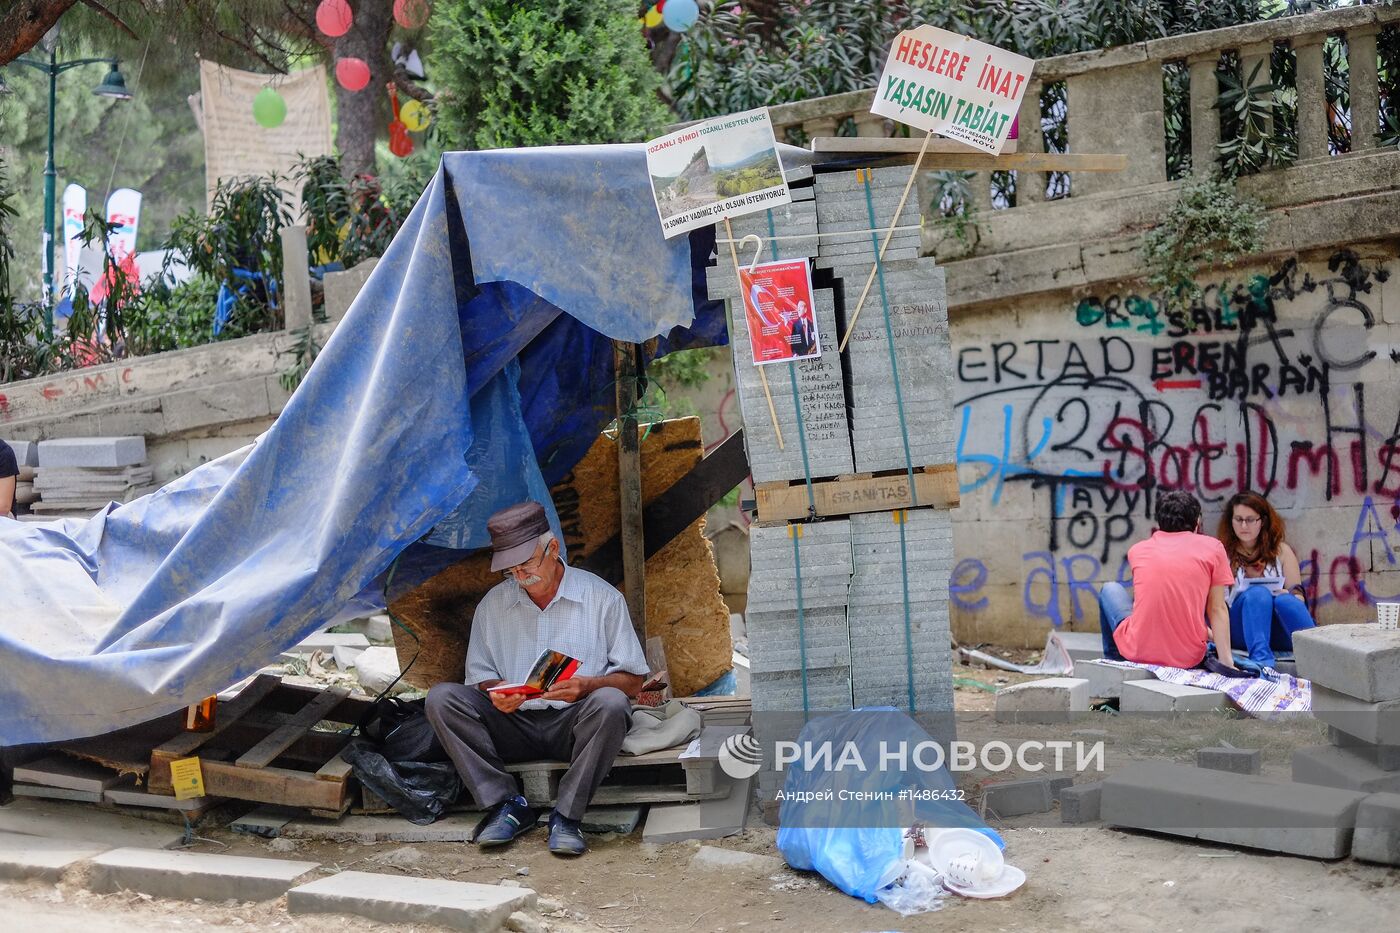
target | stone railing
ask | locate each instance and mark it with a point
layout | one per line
(1115, 97)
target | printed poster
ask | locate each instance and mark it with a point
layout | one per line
(778, 307)
(955, 86)
(718, 168)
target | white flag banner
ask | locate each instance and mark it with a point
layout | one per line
(954, 86)
(74, 206)
(124, 213)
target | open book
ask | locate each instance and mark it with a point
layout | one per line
(550, 668)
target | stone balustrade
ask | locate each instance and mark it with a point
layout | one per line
(1115, 98)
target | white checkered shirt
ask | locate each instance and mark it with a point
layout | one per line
(587, 619)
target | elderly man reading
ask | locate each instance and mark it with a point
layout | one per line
(543, 605)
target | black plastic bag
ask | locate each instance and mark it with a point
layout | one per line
(401, 732)
(420, 791)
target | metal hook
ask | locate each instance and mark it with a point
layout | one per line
(757, 247)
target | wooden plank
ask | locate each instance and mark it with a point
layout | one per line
(664, 756)
(273, 785)
(266, 751)
(888, 144)
(226, 714)
(290, 698)
(629, 479)
(676, 509)
(904, 151)
(705, 746)
(337, 769)
(936, 486)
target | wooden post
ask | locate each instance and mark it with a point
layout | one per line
(629, 484)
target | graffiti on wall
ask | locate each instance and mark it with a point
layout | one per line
(1277, 383)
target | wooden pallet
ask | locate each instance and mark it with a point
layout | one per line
(263, 748)
(667, 776)
(788, 501)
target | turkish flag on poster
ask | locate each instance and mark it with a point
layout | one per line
(778, 307)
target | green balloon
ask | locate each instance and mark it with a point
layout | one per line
(269, 109)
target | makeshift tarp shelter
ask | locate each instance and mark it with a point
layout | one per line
(473, 370)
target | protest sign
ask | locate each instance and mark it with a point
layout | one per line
(953, 86)
(718, 168)
(781, 316)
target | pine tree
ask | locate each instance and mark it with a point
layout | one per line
(542, 72)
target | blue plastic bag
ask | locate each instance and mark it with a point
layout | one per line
(848, 823)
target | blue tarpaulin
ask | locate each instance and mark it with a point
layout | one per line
(474, 369)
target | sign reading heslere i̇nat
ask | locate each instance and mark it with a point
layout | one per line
(953, 86)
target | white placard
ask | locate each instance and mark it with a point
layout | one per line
(718, 168)
(954, 86)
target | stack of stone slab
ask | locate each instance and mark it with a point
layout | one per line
(1355, 674)
(883, 652)
(79, 475)
(844, 210)
(27, 457)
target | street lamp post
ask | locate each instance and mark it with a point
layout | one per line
(114, 87)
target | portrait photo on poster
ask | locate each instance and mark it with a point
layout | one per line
(778, 307)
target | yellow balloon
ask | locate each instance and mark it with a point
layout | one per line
(415, 116)
(653, 18)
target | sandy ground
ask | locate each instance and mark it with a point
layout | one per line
(1080, 878)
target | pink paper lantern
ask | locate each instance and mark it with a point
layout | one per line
(411, 14)
(334, 17)
(352, 73)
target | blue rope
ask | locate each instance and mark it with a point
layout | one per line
(889, 337)
(901, 517)
(796, 400)
(795, 532)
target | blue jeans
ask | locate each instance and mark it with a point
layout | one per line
(1262, 622)
(1115, 603)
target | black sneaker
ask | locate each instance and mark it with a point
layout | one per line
(565, 836)
(504, 822)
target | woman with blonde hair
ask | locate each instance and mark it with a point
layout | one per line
(1266, 602)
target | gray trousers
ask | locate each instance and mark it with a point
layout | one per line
(480, 739)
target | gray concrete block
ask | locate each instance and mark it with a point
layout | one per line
(458, 905)
(1080, 803)
(1006, 799)
(30, 858)
(1106, 679)
(1158, 696)
(1082, 646)
(1236, 760)
(1385, 757)
(1362, 661)
(195, 874)
(1330, 766)
(704, 819)
(63, 771)
(1378, 830)
(40, 792)
(26, 452)
(244, 400)
(1236, 809)
(1376, 723)
(92, 451)
(64, 821)
(1054, 699)
(713, 858)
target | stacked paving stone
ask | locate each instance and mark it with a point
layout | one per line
(918, 328)
(843, 219)
(1355, 673)
(82, 474)
(880, 660)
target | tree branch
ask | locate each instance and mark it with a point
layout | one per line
(404, 82)
(280, 69)
(94, 5)
(24, 24)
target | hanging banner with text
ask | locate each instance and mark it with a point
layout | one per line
(954, 86)
(74, 207)
(719, 168)
(778, 307)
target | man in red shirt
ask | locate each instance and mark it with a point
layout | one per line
(1179, 581)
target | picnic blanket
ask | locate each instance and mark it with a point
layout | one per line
(1260, 697)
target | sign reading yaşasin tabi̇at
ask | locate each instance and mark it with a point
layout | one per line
(953, 86)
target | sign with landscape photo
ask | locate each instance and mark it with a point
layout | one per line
(718, 168)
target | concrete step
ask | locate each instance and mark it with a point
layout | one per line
(1158, 696)
(1362, 661)
(458, 905)
(1330, 766)
(32, 858)
(1378, 830)
(190, 875)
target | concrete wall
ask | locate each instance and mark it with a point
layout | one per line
(1070, 409)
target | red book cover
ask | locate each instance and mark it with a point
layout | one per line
(549, 669)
